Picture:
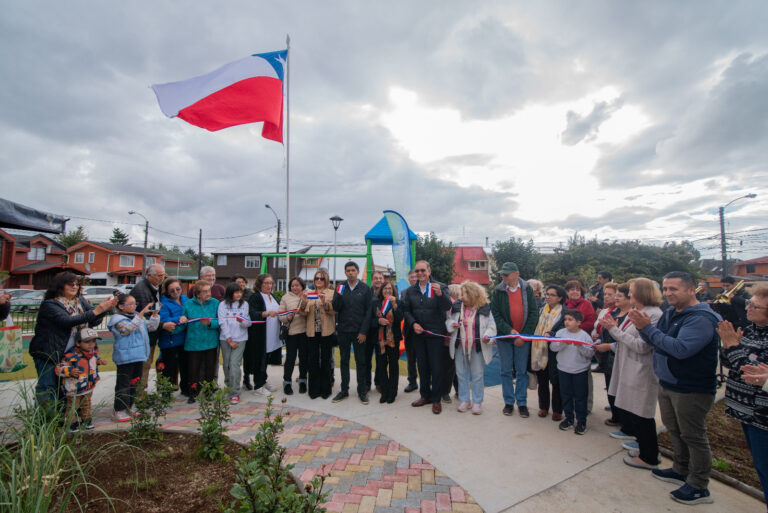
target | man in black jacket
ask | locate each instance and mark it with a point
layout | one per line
(352, 303)
(148, 291)
(425, 304)
(410, 350)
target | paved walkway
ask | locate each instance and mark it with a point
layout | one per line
(395, 458)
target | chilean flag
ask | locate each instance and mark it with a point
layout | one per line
(245, 91)
(385, 306)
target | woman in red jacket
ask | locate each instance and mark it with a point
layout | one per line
(576, 301)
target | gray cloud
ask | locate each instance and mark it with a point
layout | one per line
(580, 128)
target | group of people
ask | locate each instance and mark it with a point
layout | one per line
(548, 334)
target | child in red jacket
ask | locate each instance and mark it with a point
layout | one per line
(79, 372)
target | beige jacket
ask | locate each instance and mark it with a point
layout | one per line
(310, 308)
(298, 324)
(633, 382)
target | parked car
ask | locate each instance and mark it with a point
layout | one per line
(27, 300)
(125, 288)
(98, 293)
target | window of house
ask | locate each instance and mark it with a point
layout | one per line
(183, 264)
(311, 262)
(91, 257)
(477, 265)
(280, 284)
(750, 268)
(151, 261)
(252, 262)
(79, 258)
(36, 253)
(127, 261)
(278, 262)
(221, 260)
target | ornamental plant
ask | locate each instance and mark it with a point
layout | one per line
(263, 484)
(214, 413)
(150, 408)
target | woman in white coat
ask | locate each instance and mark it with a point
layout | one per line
(471, 325)
(633, 383)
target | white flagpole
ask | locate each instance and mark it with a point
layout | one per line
(287, 122)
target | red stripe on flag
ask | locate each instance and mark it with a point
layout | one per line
(248, 101)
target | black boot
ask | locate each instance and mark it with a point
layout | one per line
(302, 387)
(247, 382)
(287, 389)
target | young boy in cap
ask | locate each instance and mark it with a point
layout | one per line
(79, 372)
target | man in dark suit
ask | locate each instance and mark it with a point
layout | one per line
(425, 304)
(148, 291)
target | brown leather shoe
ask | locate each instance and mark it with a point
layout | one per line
(437, 408)
(543, 413)
(420, 402)
(557, 416)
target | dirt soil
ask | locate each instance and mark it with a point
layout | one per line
(730, 454)
(158, 477)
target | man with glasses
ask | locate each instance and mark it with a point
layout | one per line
(145, 292)
(352, 301)
(425, 304)
(208, 273)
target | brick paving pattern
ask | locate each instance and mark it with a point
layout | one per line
(366, 471)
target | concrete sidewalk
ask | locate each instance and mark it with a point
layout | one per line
(505, 464)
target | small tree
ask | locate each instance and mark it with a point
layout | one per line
(438, 254)
(214, 412)
(72, 237)
(118, 237)
(524, 254)
(150, 408)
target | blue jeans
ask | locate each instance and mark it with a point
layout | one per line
(470, 369)
(574, 388)
(514, 385)
(757, 441)
(47, 387)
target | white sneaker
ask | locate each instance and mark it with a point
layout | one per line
(271, 387)
(263, 391)
(464, 406)
(477, 409)
(121, 416)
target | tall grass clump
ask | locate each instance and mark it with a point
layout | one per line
(39, 468)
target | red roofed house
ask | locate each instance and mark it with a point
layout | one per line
(471, 263)
(110, 264)
(755, 269)
(31, 261)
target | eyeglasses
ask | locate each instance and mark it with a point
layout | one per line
(419, 270)
(175, 289)
(73, 284)
(551, 295)
(319, 278)
(750, 304)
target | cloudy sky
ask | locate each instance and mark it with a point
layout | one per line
(619, 120)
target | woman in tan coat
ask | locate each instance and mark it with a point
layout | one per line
(633, 382)
(321, 325)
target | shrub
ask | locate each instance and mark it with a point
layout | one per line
(150, 408)
(214, 412)
(263, 485)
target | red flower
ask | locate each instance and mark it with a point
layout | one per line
(194, 386)
(135, 381)
(160, 366)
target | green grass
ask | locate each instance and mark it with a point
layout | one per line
(720, 465)
(211, 489)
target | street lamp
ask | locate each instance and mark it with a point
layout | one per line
(146, 234)
(723, 250)
(277, 244)
(336, 222)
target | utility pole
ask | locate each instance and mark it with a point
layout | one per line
(200, 252)
(277, 244)
(723, 247)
